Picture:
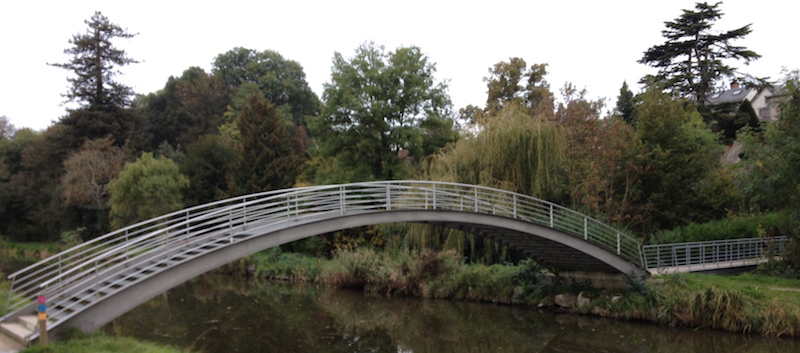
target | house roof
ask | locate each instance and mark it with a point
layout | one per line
(728, 96)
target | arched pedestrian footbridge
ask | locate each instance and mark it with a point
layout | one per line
(89, 285)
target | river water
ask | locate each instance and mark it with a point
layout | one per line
(216, 314)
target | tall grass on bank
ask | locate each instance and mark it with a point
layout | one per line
(746, 303)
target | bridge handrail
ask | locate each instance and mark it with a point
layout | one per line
(139, 224)
(57, 270)
(141, 239)
(711, 252)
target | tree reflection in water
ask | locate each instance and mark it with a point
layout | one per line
(225, 314)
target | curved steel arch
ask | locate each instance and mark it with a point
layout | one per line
(94, 282)
(132, 296)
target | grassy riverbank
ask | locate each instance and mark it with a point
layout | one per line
(745, 303)
(27, 252)
(99, 343)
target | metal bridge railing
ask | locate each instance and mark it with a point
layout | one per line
(188, 233)
(712, 254)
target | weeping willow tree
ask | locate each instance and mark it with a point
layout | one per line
(513, 151)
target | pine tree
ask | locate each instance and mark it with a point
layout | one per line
(625, 104)
(690, 63)
(94, 61)
(103, 101)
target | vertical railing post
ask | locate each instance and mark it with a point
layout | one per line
(551, 215)
(703, 256)
(476, 199)
(166, 244)
(127, 251)
(96, 279)
(688, 257)
(619, 247)
(388, 197)
(244, 210)
(341, 200)
(658, 256)
(674, 257)
(10, 292)
(434, 196)
(514, 200)
(230, 225)
(585, 228)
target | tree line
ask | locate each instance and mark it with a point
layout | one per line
(253, 124)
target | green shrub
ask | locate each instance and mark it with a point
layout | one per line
(748, 226)
(276, 264)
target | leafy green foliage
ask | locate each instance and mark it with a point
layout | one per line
(513, 151)
(208, 162)
(775, 161)
(774, 164)
(690, 62)
(729, 118)
(84, 183)
(144, 189)
(383, 111)
(276, 264)
(681, 155)
(735, 227)
(124, 126)
(186, 108)
(603, 168)
(270, 155)
(30, 199)
(281, 81)
(513, 82)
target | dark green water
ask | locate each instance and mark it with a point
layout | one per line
(224, 314)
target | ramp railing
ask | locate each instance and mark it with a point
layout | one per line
(710, 255)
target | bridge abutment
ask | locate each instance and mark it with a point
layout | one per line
(602, 280)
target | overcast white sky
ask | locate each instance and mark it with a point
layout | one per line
(593, 44)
